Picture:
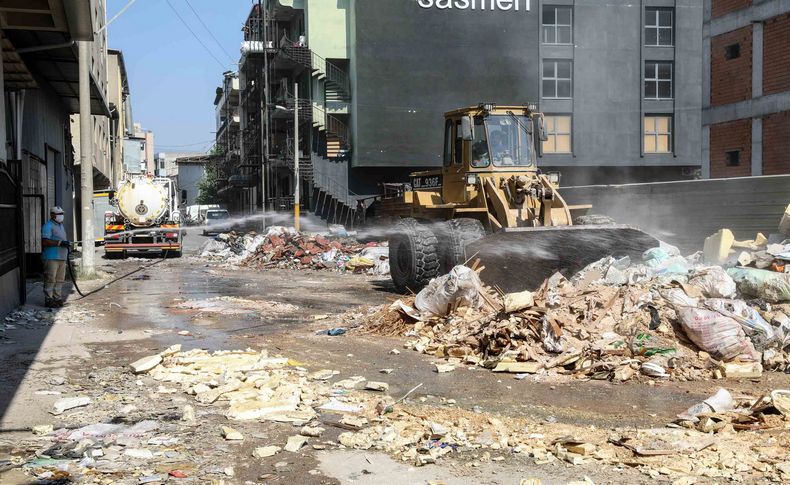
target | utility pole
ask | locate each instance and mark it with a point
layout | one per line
(296, 156)
(88, 266)
(263, 36)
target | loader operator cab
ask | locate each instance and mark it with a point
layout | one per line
(502, 140)
(490, 202)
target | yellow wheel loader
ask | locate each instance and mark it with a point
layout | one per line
(490, 201)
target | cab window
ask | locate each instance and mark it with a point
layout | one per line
(459, 144)
(448, 143)
(480, 156)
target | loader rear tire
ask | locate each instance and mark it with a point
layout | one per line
(414, 256)
(454, 235)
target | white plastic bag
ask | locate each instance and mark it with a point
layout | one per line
(771, 286)
(719, 335)
(714, 282)
(459, 286)
(751, 321)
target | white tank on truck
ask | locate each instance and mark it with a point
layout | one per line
(143, 201)
(147, 217)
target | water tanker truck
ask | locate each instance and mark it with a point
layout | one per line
(146, 218)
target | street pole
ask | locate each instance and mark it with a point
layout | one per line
(296, 156)
(88, 266)
(264, 159)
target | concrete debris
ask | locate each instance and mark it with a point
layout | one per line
(279, 389)
(63, 405)
(377, 386)
(265, 451)
(312, 431)
(145, 364)
(231, 434)
(650, 321)
(295, 443)
(286, 248)
(42, 429)
(443, 368)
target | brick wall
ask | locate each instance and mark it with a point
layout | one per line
(731, 79)
(723, 7)
(725, 137)
(776, 143)
(776, 54)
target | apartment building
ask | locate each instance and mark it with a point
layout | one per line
(121, 117)
(619, 81)
(746, 90)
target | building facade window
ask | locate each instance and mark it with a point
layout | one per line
(556, 79)
(658, 134)
(558, 131)
(557, 24)
(658, 26)
(733, 158)
(658, 80)
(732, 51)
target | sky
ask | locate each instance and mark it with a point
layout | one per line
(172, 77)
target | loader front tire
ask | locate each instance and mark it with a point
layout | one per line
(414, 256)
(454, 235)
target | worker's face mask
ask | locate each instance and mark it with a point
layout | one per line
(59, 218)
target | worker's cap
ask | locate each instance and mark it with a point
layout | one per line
(56, 210)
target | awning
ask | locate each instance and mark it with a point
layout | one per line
(58, 67)
(15, 73)
(73, 16)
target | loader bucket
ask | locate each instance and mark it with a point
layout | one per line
(520, 259)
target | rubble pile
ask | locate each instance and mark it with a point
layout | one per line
(283, 247)
(717, 438)
(667, 317)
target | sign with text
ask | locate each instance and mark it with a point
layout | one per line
(481, 5)
(426, 182)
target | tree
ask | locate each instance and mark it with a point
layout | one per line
(209, 185)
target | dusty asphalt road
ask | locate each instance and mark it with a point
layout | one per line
(136, 317)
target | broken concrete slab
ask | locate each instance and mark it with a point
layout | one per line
(312, 431)
(377, 386)
(295, 443)
(265, 451)
(519, 367)
(146, 364)
(62, 405)
(231, 434)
